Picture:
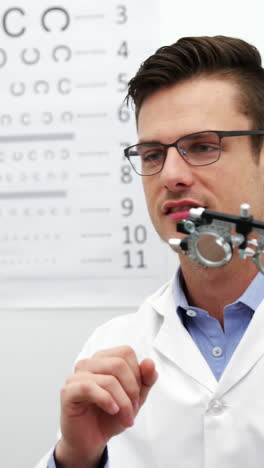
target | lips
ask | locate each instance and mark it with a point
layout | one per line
(178, 210)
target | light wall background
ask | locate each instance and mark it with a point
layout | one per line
(38, 347)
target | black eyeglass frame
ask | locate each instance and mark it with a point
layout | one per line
(221, 134)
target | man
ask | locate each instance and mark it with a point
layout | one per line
(194, 352)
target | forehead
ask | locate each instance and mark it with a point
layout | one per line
(191, 106)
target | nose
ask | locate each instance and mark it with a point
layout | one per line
(176, 174)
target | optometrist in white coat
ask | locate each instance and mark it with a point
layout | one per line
(180, 383)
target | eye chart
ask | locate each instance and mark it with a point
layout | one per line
(74, 225)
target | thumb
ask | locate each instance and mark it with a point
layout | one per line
(149, 376)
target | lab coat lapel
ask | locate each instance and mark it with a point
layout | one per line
(174, 342)
(248, 352)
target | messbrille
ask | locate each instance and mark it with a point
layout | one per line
(197, 149)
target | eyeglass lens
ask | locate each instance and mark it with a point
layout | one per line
(198, 149)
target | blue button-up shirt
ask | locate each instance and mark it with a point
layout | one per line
(215, 343)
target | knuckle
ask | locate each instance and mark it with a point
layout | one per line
(128, 351)
(85, 388)
(63, 392)
(69, 379)
(134, 393)
(118, 364)
(125, 404)
(99, 353)
(80, 365)
(110, 382)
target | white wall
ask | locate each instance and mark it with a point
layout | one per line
(37, 350)
(38, 347)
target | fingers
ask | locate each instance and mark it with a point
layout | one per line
(148, 371)
(104, 391)
(149, 376)
(86, 390)
(114, 381)
(126, 353)
(111, 379)
(117, 367)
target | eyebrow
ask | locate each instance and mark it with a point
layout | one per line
(197, 134)
(141, 142)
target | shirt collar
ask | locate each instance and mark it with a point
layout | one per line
(178, 292)
(251, 297)
(254, 294)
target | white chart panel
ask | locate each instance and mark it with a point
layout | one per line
(74, 227)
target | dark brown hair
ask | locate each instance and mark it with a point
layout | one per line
(190, 57)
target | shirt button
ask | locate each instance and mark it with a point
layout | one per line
(217, 351)
(216, 406)
(191, 313)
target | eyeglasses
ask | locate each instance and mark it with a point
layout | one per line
(197, 149)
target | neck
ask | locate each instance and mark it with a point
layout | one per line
(212, 289)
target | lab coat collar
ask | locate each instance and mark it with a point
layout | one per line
(247, 354)
(174, 342)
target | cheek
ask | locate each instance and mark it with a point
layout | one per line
(151, 197)
(221, 180)
(149, 191)
(238, 185)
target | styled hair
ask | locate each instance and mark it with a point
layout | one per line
(220, 56)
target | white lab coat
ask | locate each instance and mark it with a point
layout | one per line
(189, 419)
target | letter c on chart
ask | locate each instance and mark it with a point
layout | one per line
(47, 118)
(5, 20)
(67, 116)
(31, 155)
(18, 89)
(49, 154)
(6, 119)
(64, 86)
(17, 156)
(41, 87)
(25, 118)
(3, 58)
(34, 57)
(65, 154)
(61, 53)
(49, 11)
